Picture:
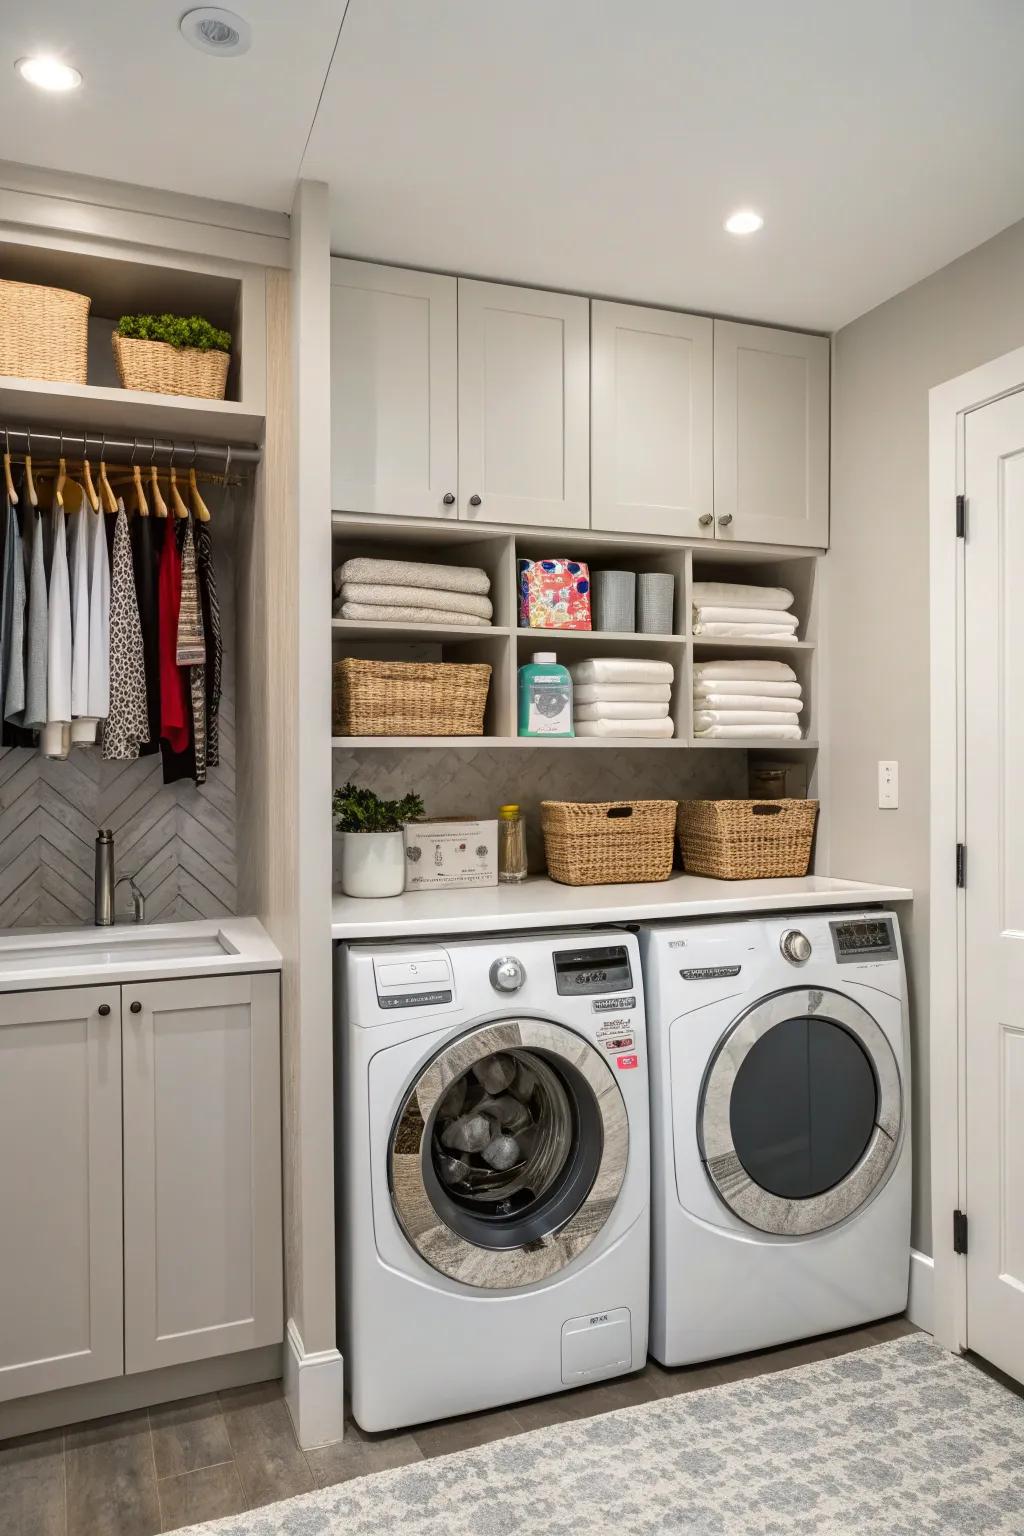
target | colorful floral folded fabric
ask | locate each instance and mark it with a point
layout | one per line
(554, 594)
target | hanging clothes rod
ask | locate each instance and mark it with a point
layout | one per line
(146, 448)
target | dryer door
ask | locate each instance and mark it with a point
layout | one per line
(800, 1111)
(508, 1154)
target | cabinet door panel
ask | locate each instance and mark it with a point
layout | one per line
(60, 1189)
(651, 420)
(202, 1137)
(393, 391)
(524, 410)
(771, 435)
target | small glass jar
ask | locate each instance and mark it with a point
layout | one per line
(511, 845)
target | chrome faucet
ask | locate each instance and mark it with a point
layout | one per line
(138, 899)
(103, 888)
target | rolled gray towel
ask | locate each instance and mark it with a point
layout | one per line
(495, 1072)
(470, 1134)
(414, 573)
(502, 1153)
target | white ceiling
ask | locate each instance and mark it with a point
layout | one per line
(594, 145)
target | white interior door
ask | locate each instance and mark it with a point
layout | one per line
(994, 898)
(394, 395)
(524, 406)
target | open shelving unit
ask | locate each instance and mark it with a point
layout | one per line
(506, 646)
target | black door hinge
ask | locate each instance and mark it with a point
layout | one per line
(961, 517)
(959, 1232)
(961, 865)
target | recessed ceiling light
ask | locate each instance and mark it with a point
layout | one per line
(216, 31)
(744, 222)
(48, 74)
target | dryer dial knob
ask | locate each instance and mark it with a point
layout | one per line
(796, 946)
(507, 974)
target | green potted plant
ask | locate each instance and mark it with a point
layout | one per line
(373, 844)
(172, 355)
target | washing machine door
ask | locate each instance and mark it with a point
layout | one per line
(508, 1154)
(800, 1111)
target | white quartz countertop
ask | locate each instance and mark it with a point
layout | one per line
(133, 952)
(541, 903)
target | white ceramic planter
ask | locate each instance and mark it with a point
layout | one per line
(373, 863)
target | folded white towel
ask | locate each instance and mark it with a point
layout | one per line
(744, 667)
(611, 709)
(622, 669)
(731, 594)
(745, 686)
(746, 701)
(746, 632)
(637, 728)
(705, 613)
(702, 718)
(415, 597)
(610, 693)
(375, 614)
(414, 573)
(769, 732)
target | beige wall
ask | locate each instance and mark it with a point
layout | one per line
(877, 658)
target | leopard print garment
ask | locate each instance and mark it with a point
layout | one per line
(127, 725)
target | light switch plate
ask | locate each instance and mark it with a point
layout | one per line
(888, 785)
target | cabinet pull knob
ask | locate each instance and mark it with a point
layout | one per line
(136, 1007)
(705, 520)
(474, 501)
(449, 498)
(103, 1010)
(725, 520)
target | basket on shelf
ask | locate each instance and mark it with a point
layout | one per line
(608, 842)
(44, 333)
(746, 839)
(409, 698)
(157, 368)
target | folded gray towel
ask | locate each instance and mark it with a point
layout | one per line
(415, 597)
(381, 615)
(414, 573)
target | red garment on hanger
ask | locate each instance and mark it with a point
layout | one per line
(174, 717)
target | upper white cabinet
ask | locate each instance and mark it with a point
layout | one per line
(202, 1166)
(394, 408)
(652, 400)
(524, 406)
(771, 435)
(60, 1189)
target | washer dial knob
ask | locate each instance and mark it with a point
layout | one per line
(796, 946)
(507, 974)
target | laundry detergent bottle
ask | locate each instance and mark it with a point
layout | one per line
(545, 697)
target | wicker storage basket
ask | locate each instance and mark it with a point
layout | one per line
(746, 839)
(409, 698)
(44, 333)
(608, 842)
(160, 369)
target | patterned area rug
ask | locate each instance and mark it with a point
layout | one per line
(902, 1438)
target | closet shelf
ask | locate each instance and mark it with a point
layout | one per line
(555, 637)
(579, 743)
(756, 743)
(365, 629)
(97, 408)
(709, 643)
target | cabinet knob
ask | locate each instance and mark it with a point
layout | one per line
(474, 501)
(449, 498)
(103, 1010)
(725, 520)
(705, 520)
(136, 1007)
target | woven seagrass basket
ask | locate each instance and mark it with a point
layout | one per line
(608, 842)
(409, 698)
(746, 839)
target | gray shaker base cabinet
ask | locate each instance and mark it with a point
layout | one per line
(140, 1178)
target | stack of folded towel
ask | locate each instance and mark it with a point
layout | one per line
(724, 610)
(753, 697)
(412, 592)
(622, 696)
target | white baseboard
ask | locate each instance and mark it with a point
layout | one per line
(314, 1389)
(921, 1302)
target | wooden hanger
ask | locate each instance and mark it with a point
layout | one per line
(106, 489)
(141, 504)
(90, 489)
(199, 508)
(180, 509)
(30, 485)
(62, 475)
(159, 505)
(12, 495)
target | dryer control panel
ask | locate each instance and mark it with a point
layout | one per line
(863, 938)
(589, 972)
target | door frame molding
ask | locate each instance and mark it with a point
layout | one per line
(949, 405)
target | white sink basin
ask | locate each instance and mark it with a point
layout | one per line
(117, 949)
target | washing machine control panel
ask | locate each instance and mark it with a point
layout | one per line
(589, 972)
(420, 980)
(863, 938)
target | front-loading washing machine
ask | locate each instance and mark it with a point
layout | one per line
(493, 1170)
(780, 1129)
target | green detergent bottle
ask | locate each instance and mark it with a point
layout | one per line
(545, 697)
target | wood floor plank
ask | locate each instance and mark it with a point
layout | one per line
(111, 1478)
(359, 1454)
(209, 1493)
(267, 1455)
(32, 1485)
(189, 1435)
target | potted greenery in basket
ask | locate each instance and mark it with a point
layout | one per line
(172, 355)
(373, 846)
